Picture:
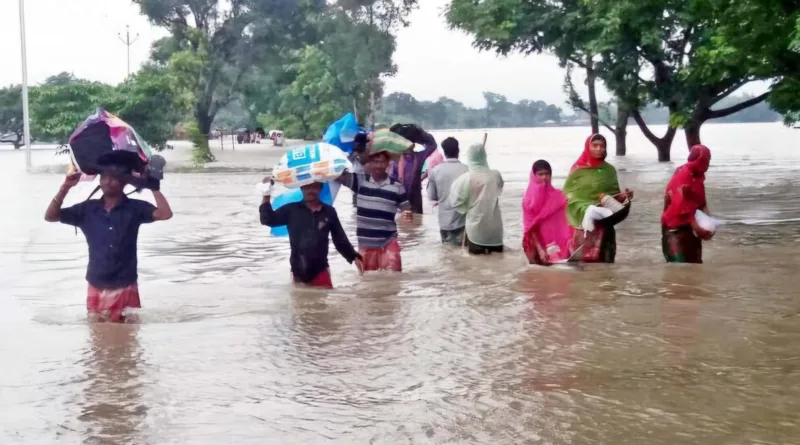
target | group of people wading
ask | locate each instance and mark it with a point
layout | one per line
(574, 224)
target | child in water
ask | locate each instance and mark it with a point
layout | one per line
(309, 222)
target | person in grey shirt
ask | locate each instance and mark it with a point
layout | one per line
(440, 178)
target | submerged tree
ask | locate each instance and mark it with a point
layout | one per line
(695, 55)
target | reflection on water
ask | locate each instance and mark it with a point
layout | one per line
(456, 349)
(112, 409)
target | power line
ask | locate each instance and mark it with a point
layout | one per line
(128, 42)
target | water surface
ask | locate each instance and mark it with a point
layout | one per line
(454, 350)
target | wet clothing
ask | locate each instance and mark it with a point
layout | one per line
(476, 194)
(547, 233)
(686, 191)
(681, 245)
(684, 196)
(477, 249)
(382, 258)
(376, 208)
(322, 280)
(109, 304)
(112, 237)
(309, 232)
(440, 181)
(588, 179)
(408, 170)
(454, 237)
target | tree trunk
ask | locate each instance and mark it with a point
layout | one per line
(591, 79)
(693, 133)
(663, 144)
(203, 122)
(621, 130)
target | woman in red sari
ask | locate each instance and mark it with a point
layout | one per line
(682, 238)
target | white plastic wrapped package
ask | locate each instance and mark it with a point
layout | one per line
(707, 222)
(319, 162)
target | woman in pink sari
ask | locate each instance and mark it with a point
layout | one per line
(547, 232)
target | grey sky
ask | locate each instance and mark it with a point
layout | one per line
(80, 36)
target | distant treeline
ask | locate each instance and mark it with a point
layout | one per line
(500, 113)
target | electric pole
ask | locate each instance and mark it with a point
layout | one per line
(128, 42)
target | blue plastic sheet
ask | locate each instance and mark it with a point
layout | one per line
(342, 133)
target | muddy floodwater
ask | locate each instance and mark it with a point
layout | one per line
(455, 350)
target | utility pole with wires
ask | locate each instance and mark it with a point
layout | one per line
(128, 42)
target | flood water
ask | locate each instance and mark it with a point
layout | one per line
(455, 350)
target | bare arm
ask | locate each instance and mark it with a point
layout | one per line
(430, 146)
(163, 211)
(53, 212)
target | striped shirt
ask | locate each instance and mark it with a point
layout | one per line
(376, 208)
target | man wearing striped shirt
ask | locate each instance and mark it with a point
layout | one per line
(379, 197)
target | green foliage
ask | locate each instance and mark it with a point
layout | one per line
(11, 119)
(213, 44)
(311, 102)
(785, 98)
(153, 102)
(201, 151)
(59, 105)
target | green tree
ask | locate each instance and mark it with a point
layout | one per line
(695, 55)
(11, 120)
(311, 102)
(529, 27)
(153, 102)
(58, 106)
(367, 42)
(214, 43)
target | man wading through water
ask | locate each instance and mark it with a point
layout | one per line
(379, 197)
(309, 223)
(111, 226)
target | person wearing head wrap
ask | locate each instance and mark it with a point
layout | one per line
(682, 237)
(592, 181)
(547, 233)
(111, 226)
(476, 194)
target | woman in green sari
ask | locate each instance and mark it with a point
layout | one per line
(590, 184)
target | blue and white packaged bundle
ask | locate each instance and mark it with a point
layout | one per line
(312, 163)
(305, 165)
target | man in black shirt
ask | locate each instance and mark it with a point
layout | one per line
(309, 223)
(111, 226)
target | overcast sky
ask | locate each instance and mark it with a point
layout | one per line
(81, 36)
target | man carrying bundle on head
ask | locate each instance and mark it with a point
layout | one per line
(310, 223)
(379, 197)
(408, 169)
(111, 226)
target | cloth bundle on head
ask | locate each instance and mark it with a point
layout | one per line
(120, 163)
(389, 142)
